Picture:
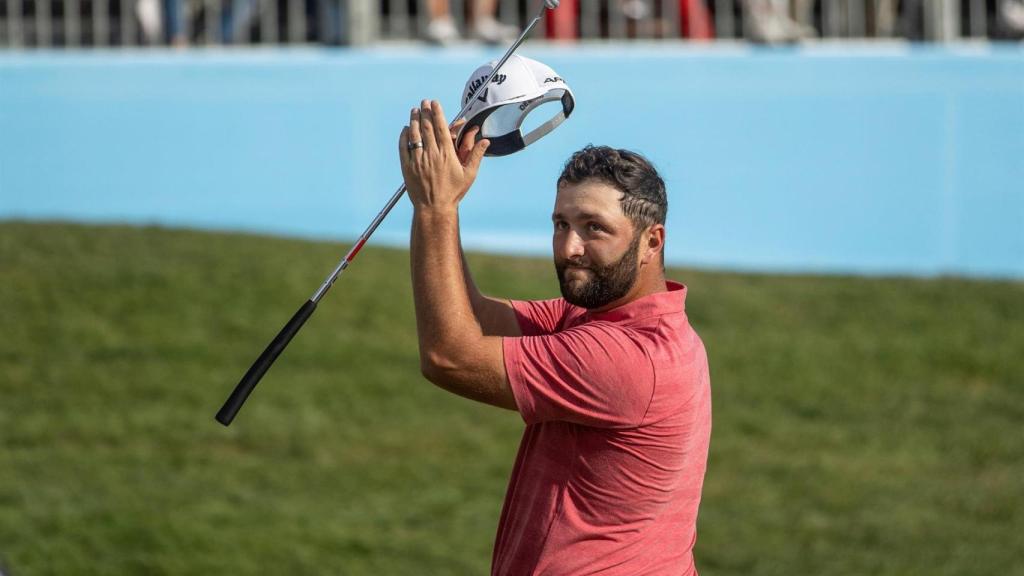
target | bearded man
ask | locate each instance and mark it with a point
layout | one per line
(610, 379)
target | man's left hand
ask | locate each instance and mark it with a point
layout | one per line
(434, 175)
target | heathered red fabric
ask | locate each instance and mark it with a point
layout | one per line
(610, 468)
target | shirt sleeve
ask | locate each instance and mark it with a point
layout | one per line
(595, 375)
(538, 317)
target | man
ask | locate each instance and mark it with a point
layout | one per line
(611, 380)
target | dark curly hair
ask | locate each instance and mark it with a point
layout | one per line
(643, 191)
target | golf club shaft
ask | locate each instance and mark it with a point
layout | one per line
(252, 377)
(333, 276)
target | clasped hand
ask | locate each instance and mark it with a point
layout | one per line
(436, 174)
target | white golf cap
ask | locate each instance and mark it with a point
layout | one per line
(521, 86)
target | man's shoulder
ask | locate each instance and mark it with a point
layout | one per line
(540, 317)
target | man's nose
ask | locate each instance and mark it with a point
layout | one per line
(571, 246)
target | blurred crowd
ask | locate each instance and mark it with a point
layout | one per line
(180, 22)
(774, 21)
(442, 22)
(763, 21)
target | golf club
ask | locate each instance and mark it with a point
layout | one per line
(252, 377)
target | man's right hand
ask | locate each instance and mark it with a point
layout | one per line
(436, 177)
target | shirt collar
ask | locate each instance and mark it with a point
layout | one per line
(672, 300)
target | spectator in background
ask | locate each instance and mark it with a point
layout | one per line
(484, 25)
(645, 18)
(1011, 18)
(176, 15)
(768, 21)
(911, 25)
(236, 20)
(880, 16)
(696, 22)
(153, 13)
(639, 17)
(150, 20)
(886, 17)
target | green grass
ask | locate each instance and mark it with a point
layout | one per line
(861, 426)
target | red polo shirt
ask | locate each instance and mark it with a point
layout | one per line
(610, 468)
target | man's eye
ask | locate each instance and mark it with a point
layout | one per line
(595, 227)
(560, 225)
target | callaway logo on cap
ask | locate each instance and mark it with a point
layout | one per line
(521, 86)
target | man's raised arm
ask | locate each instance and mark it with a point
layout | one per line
(456, 353)
(495, 316)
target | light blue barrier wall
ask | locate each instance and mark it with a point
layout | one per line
(839, 159)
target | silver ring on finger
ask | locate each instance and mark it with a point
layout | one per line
(414, 145)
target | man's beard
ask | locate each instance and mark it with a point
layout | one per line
(608, 283)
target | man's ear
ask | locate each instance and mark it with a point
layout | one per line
(652, 243)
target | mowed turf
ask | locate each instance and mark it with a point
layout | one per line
(861, 426)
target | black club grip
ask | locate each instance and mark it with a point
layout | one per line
(263, 363)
